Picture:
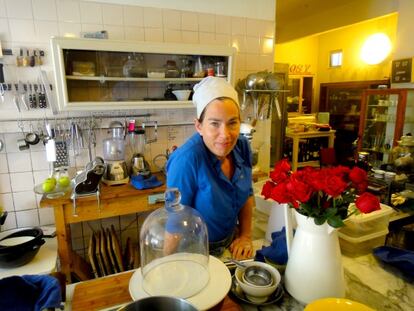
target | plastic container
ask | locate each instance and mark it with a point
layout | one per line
(360, 225)
(359, 246)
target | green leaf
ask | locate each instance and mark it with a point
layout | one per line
(331, 211)
(319, 220)
(335, 221)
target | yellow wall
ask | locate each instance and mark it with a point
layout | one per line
(299, 52)
(314, 50)
(350, 39)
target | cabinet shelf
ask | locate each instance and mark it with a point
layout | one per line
(104, 78)
(104, 62)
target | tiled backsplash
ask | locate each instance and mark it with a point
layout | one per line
(31, 23)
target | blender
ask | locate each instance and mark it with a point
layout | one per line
(114, 156)
(139, 166)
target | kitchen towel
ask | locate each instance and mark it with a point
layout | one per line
(277, 251)
(29, 293)
(140, 183)
(401, 259)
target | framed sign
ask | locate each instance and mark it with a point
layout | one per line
(402, 71)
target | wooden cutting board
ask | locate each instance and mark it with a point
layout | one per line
(116, 249)
(114, 290)
(92, 257)
(110, 251)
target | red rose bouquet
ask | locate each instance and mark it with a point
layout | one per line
(325, 194)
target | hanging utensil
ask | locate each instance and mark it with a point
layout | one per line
(16, 98)
(22, 95)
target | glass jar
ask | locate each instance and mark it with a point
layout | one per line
(171, 70)
(174, 250)
(135, 66)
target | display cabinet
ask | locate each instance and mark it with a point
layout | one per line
(386, 115)
(343, 102)
(96, 74)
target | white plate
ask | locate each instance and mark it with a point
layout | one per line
(214, 292)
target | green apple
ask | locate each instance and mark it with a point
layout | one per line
(51, 180)
(63, 181)
(48, 186)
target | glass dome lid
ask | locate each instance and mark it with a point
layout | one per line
(174, 250)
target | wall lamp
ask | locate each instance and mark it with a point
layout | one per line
(375, 48)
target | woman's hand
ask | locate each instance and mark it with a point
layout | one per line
(241, 248)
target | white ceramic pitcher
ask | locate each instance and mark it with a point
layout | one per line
(314, 269)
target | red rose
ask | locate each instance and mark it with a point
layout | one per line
(367, 203)
(357, 175)
(298, 189)
(280, 171)
(280, 194)
(334, 185)
(267, 189)
(340, 170)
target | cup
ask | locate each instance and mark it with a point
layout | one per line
(22, 144)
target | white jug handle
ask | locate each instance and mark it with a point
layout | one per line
(289, 227)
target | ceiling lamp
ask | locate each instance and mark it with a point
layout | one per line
(376, 48)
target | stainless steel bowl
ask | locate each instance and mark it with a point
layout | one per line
(159, 303)
(258, 276)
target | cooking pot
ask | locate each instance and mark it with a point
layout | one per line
(19, 247)
(159, 303)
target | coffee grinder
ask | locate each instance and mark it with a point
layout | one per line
(114, 156)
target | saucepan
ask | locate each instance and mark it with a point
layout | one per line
(159, 303)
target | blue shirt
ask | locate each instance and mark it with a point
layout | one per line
(197, 173)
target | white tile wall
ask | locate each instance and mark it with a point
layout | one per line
(32, 22)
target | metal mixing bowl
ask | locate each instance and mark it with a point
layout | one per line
(258, 276)
(159, 303)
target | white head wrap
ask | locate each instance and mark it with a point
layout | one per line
(209, 89)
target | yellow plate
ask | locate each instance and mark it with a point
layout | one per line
(337, 304)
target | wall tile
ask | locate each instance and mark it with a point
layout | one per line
(39, 161)
(21, 181)
(6, 201)
(171, 35)
(68, 11)
(91, 27)
(112, 14)
(171, 19)
(4, 30)
(27, 218)
(133, 16)
(206, 22)
(5, 183)
(115, 32)
(19, 162)
(254, 27)
(91, 13)
(24, 200)
(10, 141)
(22, 30)
(252, 62)
(47, 216)
(154, 35)
(252, 45)
(238, 25)
(134, 33)
(267, 45)
(266, 62)
(19, 9)
(207, 38)
(3, 163)
(239, 42)
(44, 10)
(189, 21)
(3, 12)
(190, 37)
(45, 30)
(70, 29)
(268, 29)
(223, 24)
(152, 18)
(10, 222)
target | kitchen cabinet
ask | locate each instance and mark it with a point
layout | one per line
(343, 102)
(97, 74)
(385, 116)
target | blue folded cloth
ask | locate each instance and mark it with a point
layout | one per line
(401, 259)
(277, 251)
(139, 182)
(29, 293)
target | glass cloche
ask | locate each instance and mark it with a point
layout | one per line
(174, 250)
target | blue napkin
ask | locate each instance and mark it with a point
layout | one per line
(139, 182)
(401, 259)
(29, 293)
(277, 251)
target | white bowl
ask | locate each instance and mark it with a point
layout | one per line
(182, 94)
(255, 293)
